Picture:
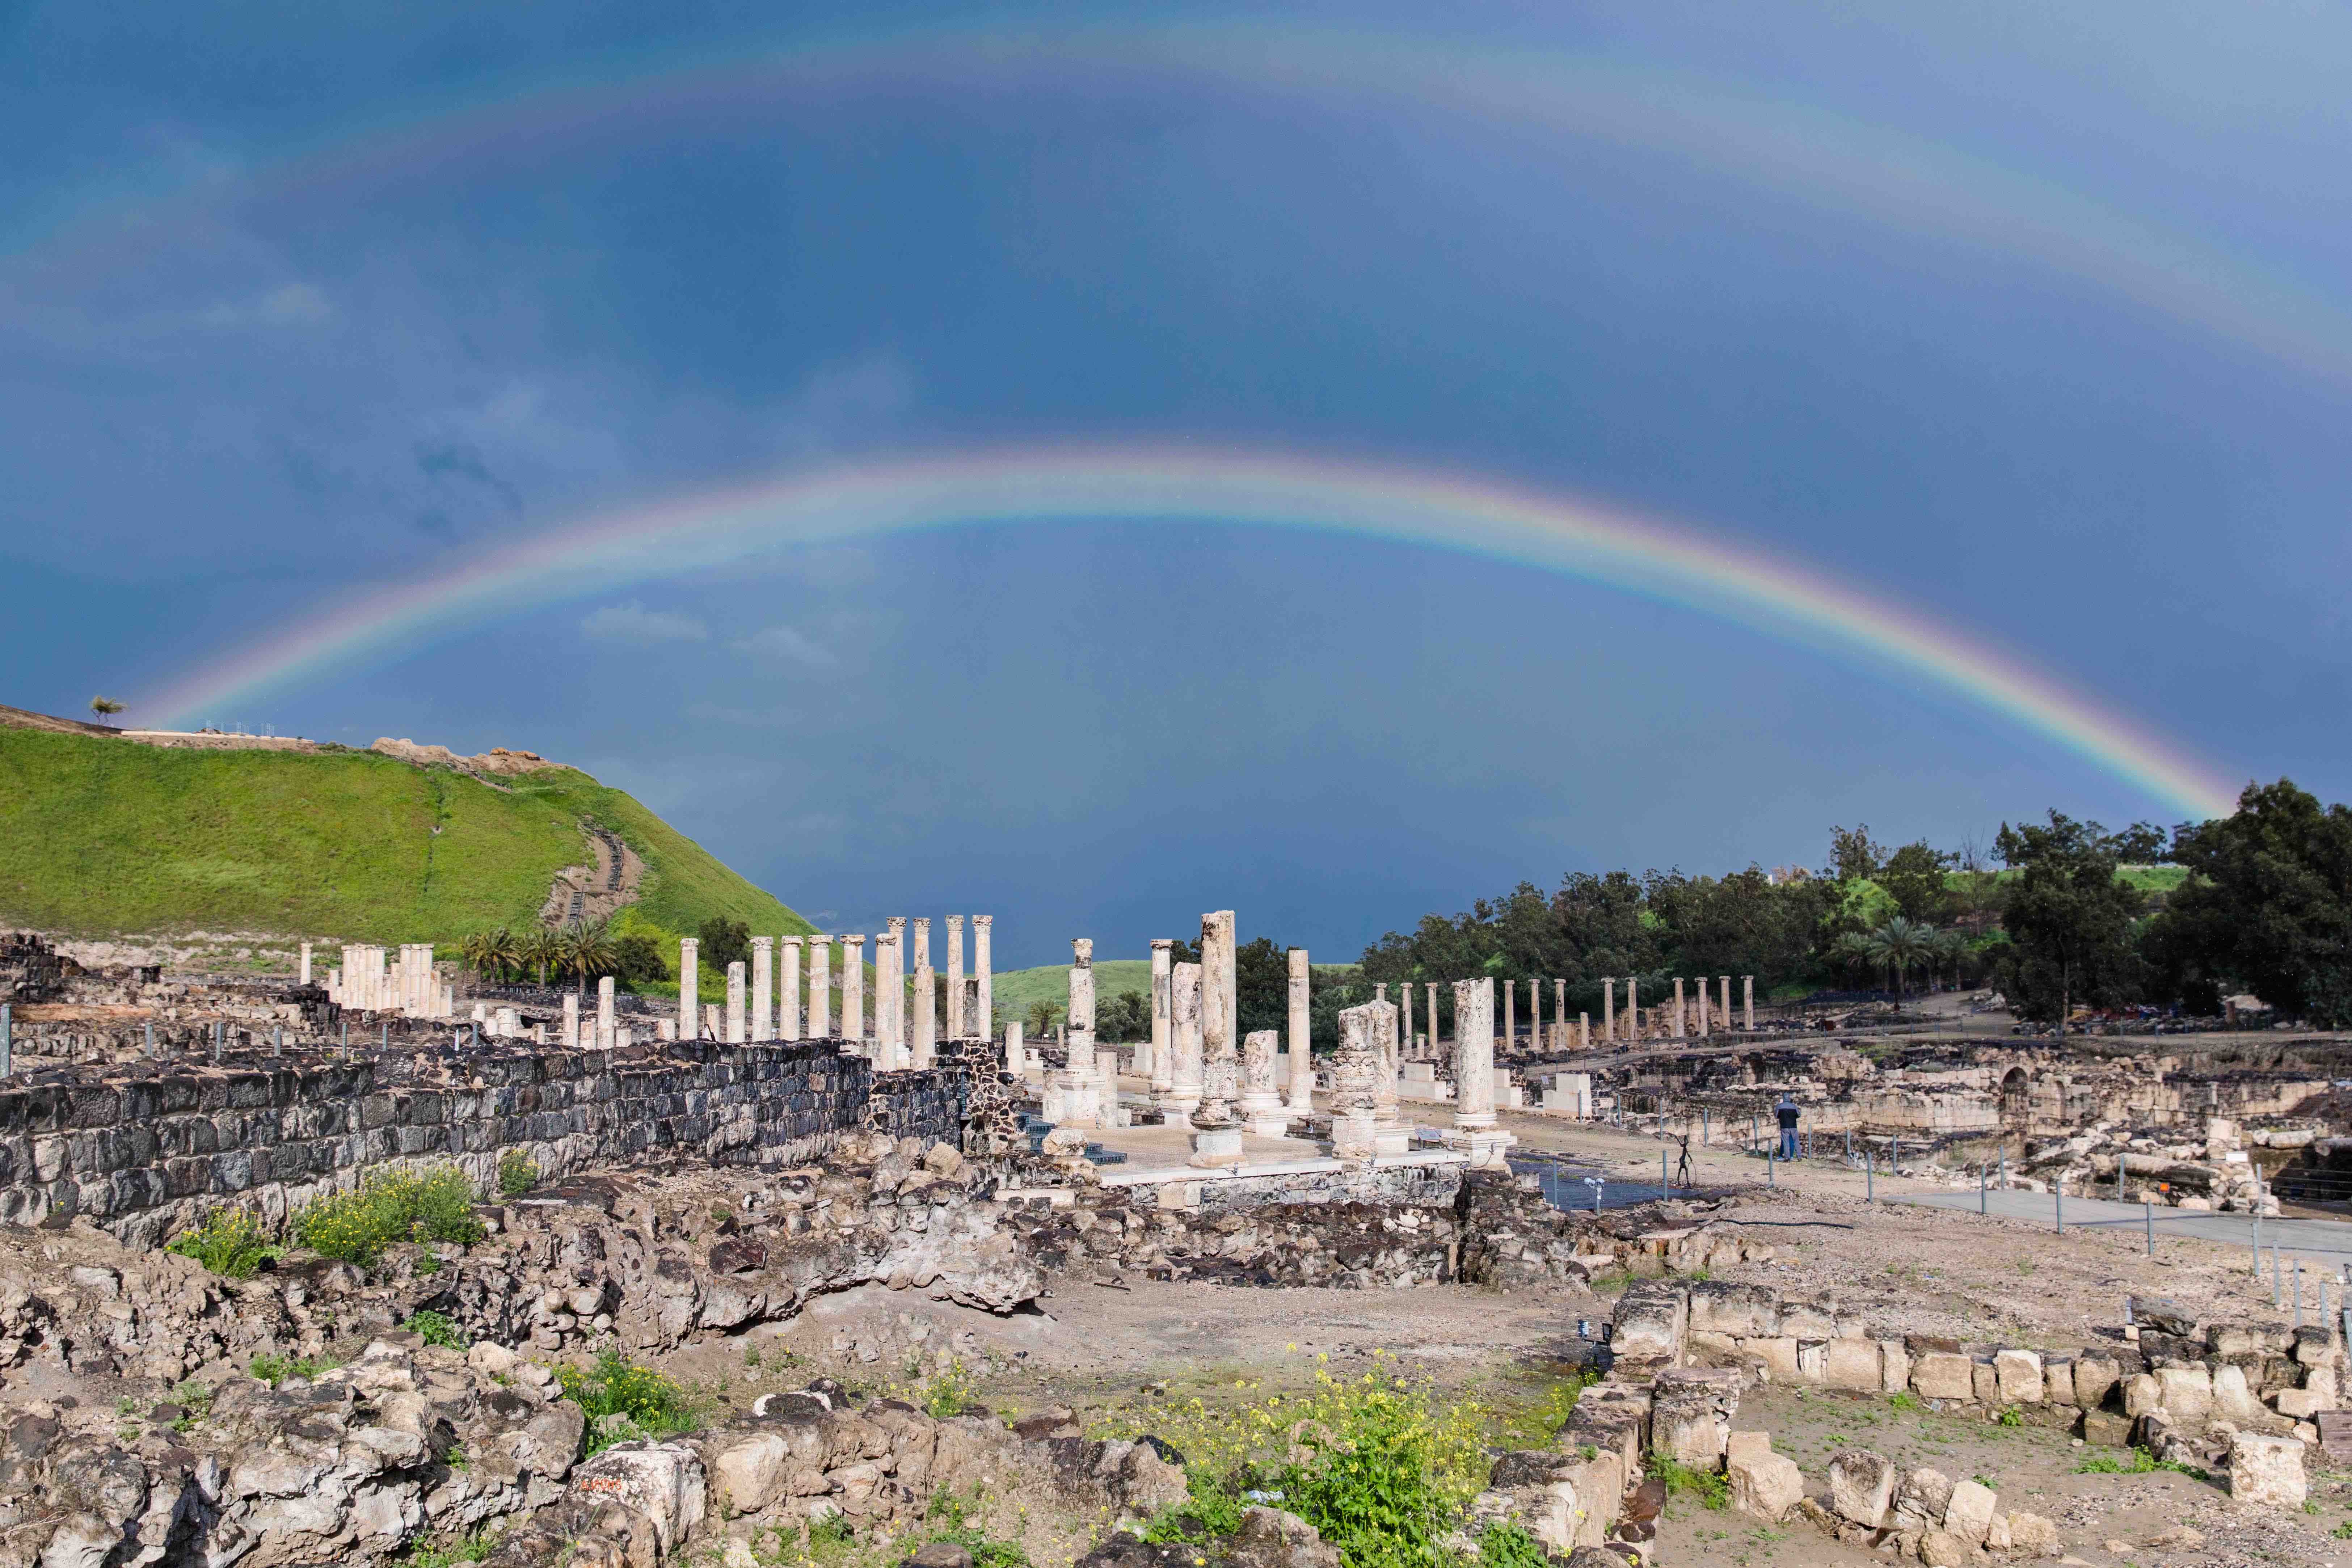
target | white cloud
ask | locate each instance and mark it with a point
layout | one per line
(292, 305)
(788, 644)
(635, 624)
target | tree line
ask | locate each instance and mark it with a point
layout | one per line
(2055, 915)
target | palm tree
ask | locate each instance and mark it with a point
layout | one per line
(1901, 944)
(539, 950)
(1852, 952)
(490, 954)
(588, 949)
(1951, 947)
(1042, 1015)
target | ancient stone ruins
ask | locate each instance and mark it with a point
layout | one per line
(896, 1254)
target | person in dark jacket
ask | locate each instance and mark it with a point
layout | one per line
(1787, 1113)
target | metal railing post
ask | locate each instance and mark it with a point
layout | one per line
(2150, 1207)
(2058, 1196)
(1984, 1173)
(1869, 1176)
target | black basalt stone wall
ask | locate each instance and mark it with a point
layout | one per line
(142, 1148)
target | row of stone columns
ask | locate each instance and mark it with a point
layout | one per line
(765, 1002)
(408, 984)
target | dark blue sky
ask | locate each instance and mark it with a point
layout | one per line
(2034, 319)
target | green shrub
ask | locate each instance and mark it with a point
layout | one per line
(948, 1393)
(1510, 1546)
(1382, 1468)
(654, 1405)
(1214, 1509)
(390, 1207)
(517, 1174)
(435, 1328)
(949, 1518)
(274, 1370)
(232, 1243)
(833, 1530)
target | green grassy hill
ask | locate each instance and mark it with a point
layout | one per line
(101, 836)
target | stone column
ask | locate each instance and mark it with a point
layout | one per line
(1584, 1031)
(1216, 1132)
(1263, 1115)
(1429, 1049)
(1220, 1011)
(1748, 998)
(820, 988)
(853, 989)
(925, 1050)
(891, 996)
(1703, 1030)
(570, 1037)
(1560, 1012)
(1390, 1135)
(1474, 1054)
(1014, 1063)
(788, 991)
(690, 988)
(1534, 1017)
(1633, 1007)
(980, 963)
(972, 1004)
(1302, 1045)
(1163, 950)
(1609, 1007)
(714, 1022)
(1678, 1008)
(889, 989)
(1510, 1016)
(306, 963)
(1723, 1012)
(763, 988)
(1186, 1070)
(1355, 1077)
(736, 991)
(1074, 1092)
(955, 978)
(604, 1012)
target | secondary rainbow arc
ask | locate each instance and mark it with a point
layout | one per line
(683, 534)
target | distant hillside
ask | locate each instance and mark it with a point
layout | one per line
(101, 837)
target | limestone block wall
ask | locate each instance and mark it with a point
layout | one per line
(143, 1149)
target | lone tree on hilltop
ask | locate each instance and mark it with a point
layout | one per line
(102, 707)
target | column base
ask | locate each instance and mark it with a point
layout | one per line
(1262, 1116)
(1217, 1146)
(1353, 1136)
(1177, 1102)
(1071, 1099)
(1485, 1145)
(1393, 1140)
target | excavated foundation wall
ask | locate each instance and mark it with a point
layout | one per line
(140, 1151)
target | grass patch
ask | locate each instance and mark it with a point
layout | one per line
(274, 1370)
(1713, 1490)
(952, 1517)
(1509, 1546)
(945, 1392)
(650, 1405)
(1535, 1423)
(435, 1328)
(473, 1548)
(232, 1243)
(1904, 1402)
(391, 1207)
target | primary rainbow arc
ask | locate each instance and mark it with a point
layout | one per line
(683, 534)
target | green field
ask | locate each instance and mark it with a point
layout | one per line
(102, 837)
(1014, 990)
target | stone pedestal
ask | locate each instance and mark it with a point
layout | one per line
(1015, 1061)
(690, 988)
(306, 963)
(1355, 1082)
(737, 985)
(1215, 1146)
(1261, 1112)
